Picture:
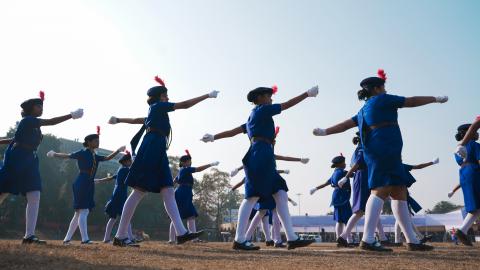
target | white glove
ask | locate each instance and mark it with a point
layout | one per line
(342, 181)
(51, 153)
(207, 138)
(436, 161)
(109, 175)
(77, 114)
(313, 92)
(461, 151)
(441, 99)
(286, 171)
(113, 120)
(214, 163)
(293, 203)
(304, 160)
(450, 194)
(313, 190)
(319, 132)
(213, 94)
(122, 148)
(233, 173)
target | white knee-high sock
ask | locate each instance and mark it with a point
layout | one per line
(469, 220)
(243, 214)
(3, 196)
(381, 232)
(281, 199)
(402, 215)
(352, 221)
(73, 226)
(266, 228)
(82, 224)
(373, 209)
(398, 232)
(191, 225)
(172, 236)
(127, 213)
(254, 224)
(171, 207)
(276, 234)
(31, 212)
(338, 229)
(130, 232)
(108, 229)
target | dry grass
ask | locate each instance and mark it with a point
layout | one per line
(158, 255)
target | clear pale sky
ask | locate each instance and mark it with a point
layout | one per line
(102, 56)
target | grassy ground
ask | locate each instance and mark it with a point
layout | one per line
(159, 255)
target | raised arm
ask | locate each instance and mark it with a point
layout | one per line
(457, 187)
(339, 128)
(57, 120)
(222, 135)
(194, 101)
(204, 167)
(239, 184)
(470, 135)
(112, 155)
(285, 158)
(312, 92)
(424, 165)
(313, 190)
(411, 102)
(115, 120)
(235, 171)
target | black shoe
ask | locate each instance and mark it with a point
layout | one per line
(244, 246)
(463, 238)
(124, 243)
(387, 243)
(418, 247)
(375, 246)
(33, 240)
(353, 245)
(396, 244)
(426, 238)
(269, 243)
(88, 242)
(342, 243)
(279, 245)
(299, 243)
(188, 236)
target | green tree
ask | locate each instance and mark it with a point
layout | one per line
(443, 207)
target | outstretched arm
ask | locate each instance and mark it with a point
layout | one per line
(457, 187)
(194, 101)
(55, 120)
(6, 141)
(235, 171)
(112, 155)
(239, 184)
(411, 102)
(312, 92)
(106, 179)
(222, 135)
(352, 170)
(58, 155)
(285, 158)
(470, 135)
(204, 167)
(313, 190)
(115, 120)
(339, 128)
(422, 165)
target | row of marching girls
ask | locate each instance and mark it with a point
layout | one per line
(346, 215)
(381, 139)
(20, 173)
(262, 181)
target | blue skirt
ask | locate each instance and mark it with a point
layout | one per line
(267, 203)
(150, 170)
(342, 213)
(20, 173)
(383, 156)
(413, 206)
(83, 192)
(262, 179)
(114, 206)
(184, 198)
(360, 191)
(470, 183)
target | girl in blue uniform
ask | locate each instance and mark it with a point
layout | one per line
(341, 194)
(84, 185)
(469, 179)
(114, 206)
(150, 171)
(382, 143)
(20, 173)
(184, 192)
(413, 205)
(262, 180)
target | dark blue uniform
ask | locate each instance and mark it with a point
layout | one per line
(184, 193)
(470, 176)
(413, 205)
(361, 191)
(340, 197)
(114, 206)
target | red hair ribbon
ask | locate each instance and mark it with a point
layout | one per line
(159, 80)
(98, 130)
(274, 89)
(341, 154)
(188, 153)
(382, 75)
(277, 130)
(41, 94)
